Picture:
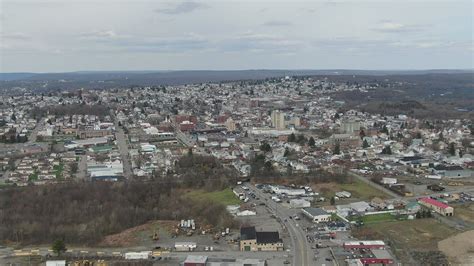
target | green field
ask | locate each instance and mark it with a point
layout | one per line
(377, 218)
(226, 196)
(361, 190)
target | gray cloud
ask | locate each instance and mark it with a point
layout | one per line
(14, 36)
(100, 35)
(180, 8)
(180, 44)
(258, 42)
(129, 34)
(388, 26)
(277, 23)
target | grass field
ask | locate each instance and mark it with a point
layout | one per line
(361, 190)
(377, 218)
(226, 196)
(421, 234)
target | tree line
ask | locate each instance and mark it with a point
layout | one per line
(83, 213)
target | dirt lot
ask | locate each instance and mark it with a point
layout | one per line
(358, 189)
(139, 235)
(142, 236)
(415, 234)
(459, 248)
(413, 241)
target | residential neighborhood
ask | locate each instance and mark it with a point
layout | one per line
(307, 174)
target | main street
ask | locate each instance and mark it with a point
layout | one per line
(301, 249)
(122, 144)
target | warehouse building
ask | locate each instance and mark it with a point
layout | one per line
(317, 215)
(437, 206)
(375, 244)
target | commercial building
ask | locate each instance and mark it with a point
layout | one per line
(317, 215)
(374, 244)
(251, 240)
(350, 126)
(299, 203)
(86, 133)
(288, 191)
(369, 257)
(437, 206)
(278, 119)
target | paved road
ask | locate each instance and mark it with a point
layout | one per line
(34, 133)
(301, 249)
(123, 149)
(82, 168)
(469, 190)
(185, 139)
(391, 193)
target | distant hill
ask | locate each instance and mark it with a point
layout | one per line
(16, 76)
(196, 76)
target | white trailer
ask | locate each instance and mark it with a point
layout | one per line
(137, 255)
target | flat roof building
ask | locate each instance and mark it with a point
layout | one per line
(317, 215)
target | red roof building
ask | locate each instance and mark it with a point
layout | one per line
(437, 206)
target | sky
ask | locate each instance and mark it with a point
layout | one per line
(87, 35)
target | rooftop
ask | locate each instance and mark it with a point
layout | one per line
(268, 237)
(315, 211)
(434, 202)
(248, 233)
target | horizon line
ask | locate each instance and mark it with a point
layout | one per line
(247, 69)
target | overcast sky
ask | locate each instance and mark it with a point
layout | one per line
(72, 35)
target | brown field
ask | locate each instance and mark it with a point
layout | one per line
(465, 212)
(135, 235)
(415, 234)
(459, 248)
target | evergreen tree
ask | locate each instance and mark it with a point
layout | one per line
(265, 147)
(337, 149)
(452, 149)
(59, 247)
(311, 142)
(365, 144)
(387, 150)
(292, 138)
(440, 136)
